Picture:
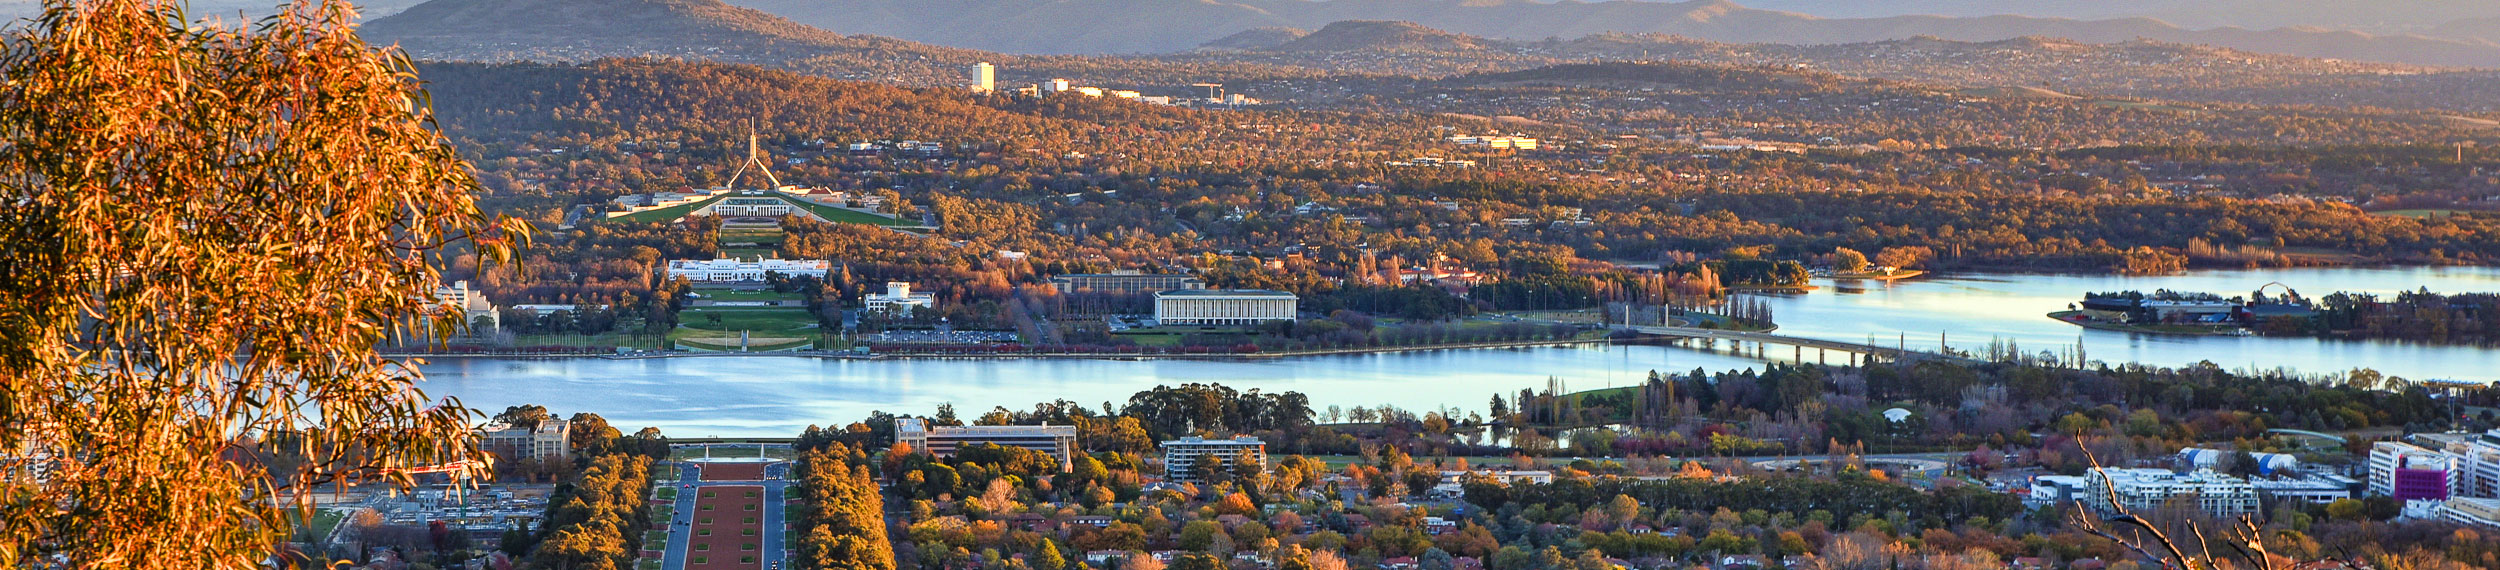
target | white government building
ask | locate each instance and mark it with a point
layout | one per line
(1224, 306)
(731, 269)
(898, 299)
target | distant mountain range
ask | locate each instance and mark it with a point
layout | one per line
(584, 30)
(2382, 16)
(1158, 26)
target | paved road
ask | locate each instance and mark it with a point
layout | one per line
(689, 484)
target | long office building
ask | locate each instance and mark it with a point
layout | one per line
(1182, 456)
(1059, 442)
(1127, 282)
(2142, 490)
(1225, 306)
(738, 270)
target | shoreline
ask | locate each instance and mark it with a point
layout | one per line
(2060, 316)
(1012, 356)
(1894, 276)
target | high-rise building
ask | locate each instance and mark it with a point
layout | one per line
(984, 77)
(1059, 442)
(1181, 457)
(2408, 472)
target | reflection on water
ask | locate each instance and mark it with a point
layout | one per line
(777, 396)
(1967, 311)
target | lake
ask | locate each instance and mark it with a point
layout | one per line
(778, 396)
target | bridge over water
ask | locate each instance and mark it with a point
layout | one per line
(1797, 344)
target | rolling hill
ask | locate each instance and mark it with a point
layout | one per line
(583, 30)
(1133, 26)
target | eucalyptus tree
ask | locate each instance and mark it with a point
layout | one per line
(205, 230)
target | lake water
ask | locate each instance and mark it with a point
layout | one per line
(777, 396)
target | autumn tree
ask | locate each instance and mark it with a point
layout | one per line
(845, 517)
(208, 229)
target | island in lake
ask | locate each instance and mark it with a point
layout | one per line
(2417, 316)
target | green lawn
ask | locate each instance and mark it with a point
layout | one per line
(759, 319)
(671, 212)
(665, 493)
(745, 295)
(655, 539)
(845, 215)
(757, 235)
(1154, 339)
(731, 344)
(322, 521)
(663, 474)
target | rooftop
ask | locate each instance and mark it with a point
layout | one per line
(1239, 439)
(1226, 293)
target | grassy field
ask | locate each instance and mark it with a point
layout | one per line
(754, 344)
(745, 294)
(664, 493)
(845, 215)
(733, 452)
(1154, 339)
(662, 474)
(669, 213)
(758, 319)
(2420, 213)
(323, 520)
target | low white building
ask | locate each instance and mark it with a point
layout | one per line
(2477, 512)
(749, 205)
(733, 270)
(2057, 489)
(2318, 488)
(899, 299)
(1225, 306)
(1059, 442)
(2143, 490)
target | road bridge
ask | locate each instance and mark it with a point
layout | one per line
(1823, 348)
